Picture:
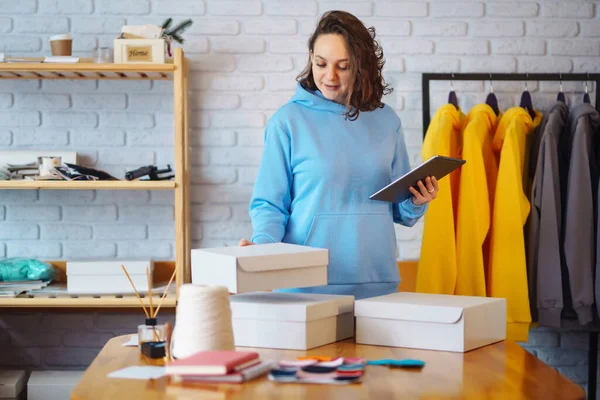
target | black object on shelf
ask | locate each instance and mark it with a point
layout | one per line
(428, 77)
(101, 175)
(152, 171)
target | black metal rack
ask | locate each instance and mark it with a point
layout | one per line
(427, 77)
(583, 77)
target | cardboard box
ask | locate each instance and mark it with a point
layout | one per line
(139, 51)
(107, 276)
(296, 321)
(260, 267)
(52, 385)
(12, 383)
(430, 321)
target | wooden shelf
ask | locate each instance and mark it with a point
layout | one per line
(89, 185)
(177, 70)
(86, 70)
(162, 273)
(84, 302)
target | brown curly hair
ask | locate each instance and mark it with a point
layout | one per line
(366, 62)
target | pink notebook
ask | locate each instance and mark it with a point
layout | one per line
(212, 363)
(243, 375)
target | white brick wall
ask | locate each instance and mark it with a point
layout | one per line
(244, 58)
(243, 69)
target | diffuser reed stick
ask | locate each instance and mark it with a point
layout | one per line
(165, 293)
(136, 292)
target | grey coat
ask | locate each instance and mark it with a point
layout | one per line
(544, 258)
(579, 208)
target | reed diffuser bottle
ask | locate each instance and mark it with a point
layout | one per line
(151, 332)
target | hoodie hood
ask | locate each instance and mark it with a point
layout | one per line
(561, 108)
(515, 118)
(583, 110)
(316, 101)
(487, 112)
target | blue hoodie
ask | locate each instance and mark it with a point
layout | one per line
(317, 172)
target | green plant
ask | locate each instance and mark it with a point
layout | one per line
(174, 33)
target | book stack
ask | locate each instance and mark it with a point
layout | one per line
(218, 366)
(23, 171)
(14, 288)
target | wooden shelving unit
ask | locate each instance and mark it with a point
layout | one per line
(89, 185)
(177, 71)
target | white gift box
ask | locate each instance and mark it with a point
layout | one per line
(260, 267)
(52, 385)
(295, 321)
(430, 321)
(107, 276)
(12, 383)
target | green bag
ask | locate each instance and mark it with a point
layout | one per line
(24, 269)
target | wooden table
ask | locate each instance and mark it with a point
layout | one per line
(500, 371)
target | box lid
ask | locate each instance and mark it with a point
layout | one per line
(110, 266)
(299, 307)
(272, 256)
(11, 383)
(421, 307)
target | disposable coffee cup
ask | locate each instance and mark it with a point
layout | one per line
(61, 45)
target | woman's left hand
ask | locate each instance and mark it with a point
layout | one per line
(426, 192)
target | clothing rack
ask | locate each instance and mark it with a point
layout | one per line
(427, 77)
(583, 77)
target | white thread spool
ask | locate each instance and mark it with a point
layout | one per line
(203, 320)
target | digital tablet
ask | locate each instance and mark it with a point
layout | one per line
(398, 191)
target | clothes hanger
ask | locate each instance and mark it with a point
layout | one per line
(526, 101)
(561, 95)
(491, 99)
(586, 96)
(452, 99)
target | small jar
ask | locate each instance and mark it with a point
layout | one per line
(151, 332)
(102, 55)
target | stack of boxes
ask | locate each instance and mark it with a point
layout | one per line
(302, 321)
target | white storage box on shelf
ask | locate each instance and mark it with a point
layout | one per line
(12, 383)
(139, 51)
(107, 276)
(260, 267)
(30, 156)
(430, 321)
(52, 385)
(295, 321)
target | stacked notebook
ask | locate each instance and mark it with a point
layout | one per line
(219, 366)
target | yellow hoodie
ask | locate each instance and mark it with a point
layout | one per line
(477, 177)
(507, 274)
(437, 263)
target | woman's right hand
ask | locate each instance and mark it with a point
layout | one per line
(245, 242)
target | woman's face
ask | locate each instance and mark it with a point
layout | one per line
(331, 66)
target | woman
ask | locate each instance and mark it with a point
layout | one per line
(325, 152)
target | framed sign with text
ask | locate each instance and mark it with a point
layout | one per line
(140, 51)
